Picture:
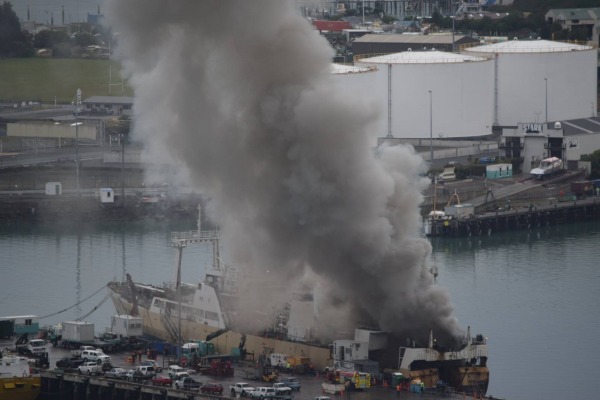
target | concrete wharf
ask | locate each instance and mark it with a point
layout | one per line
(527, 218)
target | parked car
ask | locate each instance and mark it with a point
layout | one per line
(152, 363)
(263, 392)
(173, 370)
(90, 368)
(293, 383)
(116, 373)
(161, 380)
(282, 388)
(187, 383)
(487, 160)
(212, 388)
(241, 389)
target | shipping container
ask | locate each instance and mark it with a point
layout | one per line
(78, 331)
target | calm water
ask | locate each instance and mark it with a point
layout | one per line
(534, 295)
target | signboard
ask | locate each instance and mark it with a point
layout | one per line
(532, 128)
(572, 143)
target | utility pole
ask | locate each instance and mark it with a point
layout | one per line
(76, 124)
(123, 170)
(430, 127)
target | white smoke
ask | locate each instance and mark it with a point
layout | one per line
(240, 94)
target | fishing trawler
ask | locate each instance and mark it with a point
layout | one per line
(16, 382)
(208, 311)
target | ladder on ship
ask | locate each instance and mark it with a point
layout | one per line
(168, 324)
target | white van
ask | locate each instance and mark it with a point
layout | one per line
(145, 370)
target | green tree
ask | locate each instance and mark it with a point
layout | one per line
(594, 158)
(13, 41)
(85, 39)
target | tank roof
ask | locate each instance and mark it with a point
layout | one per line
(422, 57)
(341, 69)
(528, 46)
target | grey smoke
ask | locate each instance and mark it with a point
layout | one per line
(240, 95)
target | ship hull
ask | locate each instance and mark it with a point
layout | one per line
(154, 325)
(25, 388)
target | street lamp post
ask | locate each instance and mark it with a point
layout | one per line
(430, 126)
(76, 124)
(546, 82)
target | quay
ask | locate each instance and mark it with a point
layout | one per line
(525, 218)
(58, 385)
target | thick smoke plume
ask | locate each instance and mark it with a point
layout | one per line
(239, 93)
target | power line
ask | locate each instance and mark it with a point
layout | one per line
(74, 305)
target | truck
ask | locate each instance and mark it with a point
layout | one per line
(76, 353)
(240, 389)
(90, 368)
(187, 383)
(32, 347)
(69, 363)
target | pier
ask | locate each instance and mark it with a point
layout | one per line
(525, 218)
(57, 385)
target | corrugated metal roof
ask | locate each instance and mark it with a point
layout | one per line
(569, 14)
(340, 69)
(109, 100)
(528, 46)
(422, 57)
(408, 39)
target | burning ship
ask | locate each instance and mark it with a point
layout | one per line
(207, 311)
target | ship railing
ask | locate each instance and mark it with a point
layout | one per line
(194, 235)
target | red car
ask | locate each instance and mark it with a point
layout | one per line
(162, 381)
(212, 388)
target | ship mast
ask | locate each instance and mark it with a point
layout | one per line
(180, 240)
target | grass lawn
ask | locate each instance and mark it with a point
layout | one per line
(44, 79)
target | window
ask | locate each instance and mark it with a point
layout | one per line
(28, 322)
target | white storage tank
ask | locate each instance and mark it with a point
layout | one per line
(78, 331)
(126, 325)
(454, 92)
(359, 84)
(537, 75)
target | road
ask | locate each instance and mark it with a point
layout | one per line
(55, 156)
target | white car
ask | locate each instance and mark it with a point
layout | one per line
(90, 368)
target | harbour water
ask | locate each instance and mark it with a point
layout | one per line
(533, 294)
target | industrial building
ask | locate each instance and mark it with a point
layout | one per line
(108, 105)
(568, 140)
(370, 45)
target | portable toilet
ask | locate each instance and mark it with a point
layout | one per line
(107, 195)
(53, 188)
(498, 171)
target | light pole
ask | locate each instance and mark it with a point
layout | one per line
(430, 127)
(546, 82)
(76, 124)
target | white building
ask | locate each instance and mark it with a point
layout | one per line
(567, 140)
